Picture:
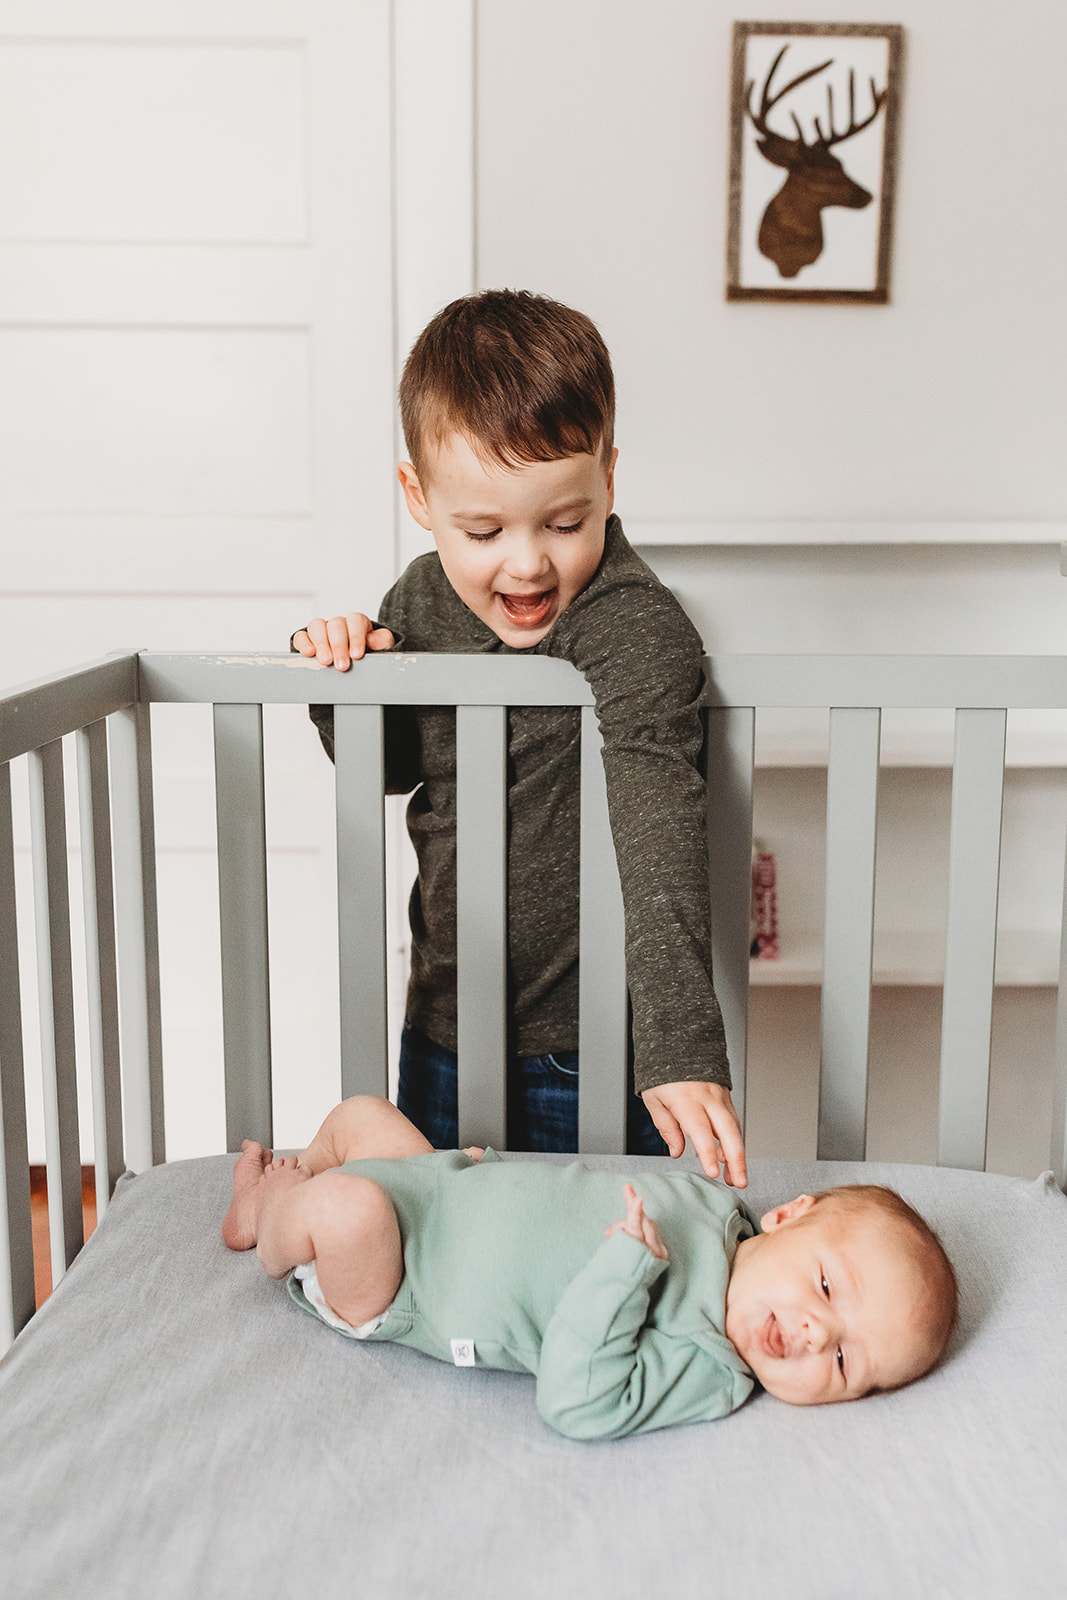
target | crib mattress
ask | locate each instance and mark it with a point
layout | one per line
(171, 1425)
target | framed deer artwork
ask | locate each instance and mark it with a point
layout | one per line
(813, 138)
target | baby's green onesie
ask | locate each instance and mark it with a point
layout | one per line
(506, 1265)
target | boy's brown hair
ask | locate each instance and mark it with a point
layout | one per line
(521, 376)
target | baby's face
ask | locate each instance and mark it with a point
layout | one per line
(517, 544)
(823, 1305)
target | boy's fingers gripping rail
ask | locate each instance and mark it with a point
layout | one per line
(339, 641)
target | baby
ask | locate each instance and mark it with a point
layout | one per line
(629, 1324)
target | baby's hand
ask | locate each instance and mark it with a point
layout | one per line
(341, 640)
(638, 1226)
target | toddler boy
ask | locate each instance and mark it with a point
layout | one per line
(629, 1324)
(507, 402)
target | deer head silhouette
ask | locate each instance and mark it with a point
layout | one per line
(790, 233)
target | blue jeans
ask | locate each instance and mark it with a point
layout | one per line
(542, 1100)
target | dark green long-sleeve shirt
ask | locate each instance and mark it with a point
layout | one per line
(642, 658)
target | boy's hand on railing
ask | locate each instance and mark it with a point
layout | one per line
(341, 640)
(704, 1114)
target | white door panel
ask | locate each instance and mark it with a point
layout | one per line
(131, 140)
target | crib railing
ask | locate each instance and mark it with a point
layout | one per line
(981, 690)
(106, 708)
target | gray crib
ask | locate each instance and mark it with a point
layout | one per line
(167, 1426)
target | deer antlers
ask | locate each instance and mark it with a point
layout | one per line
(826, 139)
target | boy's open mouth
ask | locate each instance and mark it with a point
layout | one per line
(528, 610)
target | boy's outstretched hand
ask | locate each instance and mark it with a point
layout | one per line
(638, 1226)
(703, 1113)
(341, 640)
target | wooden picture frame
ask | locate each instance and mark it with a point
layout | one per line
(801, 92)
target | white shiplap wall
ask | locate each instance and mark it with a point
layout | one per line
(202, 310)
(197, 343)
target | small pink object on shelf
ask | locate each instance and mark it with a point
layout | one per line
(764, 906)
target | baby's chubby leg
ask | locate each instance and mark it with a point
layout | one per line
(348, 1227)
(361, 1127)
(345, 1224)
(298, 1209)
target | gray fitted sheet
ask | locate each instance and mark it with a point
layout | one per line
(170, 1425)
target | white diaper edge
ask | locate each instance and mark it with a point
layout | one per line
(308, 1279)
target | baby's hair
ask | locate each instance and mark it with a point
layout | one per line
(941, 1307)
(521, 376)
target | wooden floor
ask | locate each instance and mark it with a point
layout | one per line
(42, 1266)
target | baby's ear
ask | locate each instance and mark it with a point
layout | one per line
(787, 1213)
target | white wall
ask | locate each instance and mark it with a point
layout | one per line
(199, 283)
(602, 180)
(196, 350)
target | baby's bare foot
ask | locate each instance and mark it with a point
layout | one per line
(239, 1227)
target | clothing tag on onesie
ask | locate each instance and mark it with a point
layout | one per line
(462, 1352)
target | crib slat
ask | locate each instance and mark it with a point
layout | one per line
(970, 950)
(359, 759)
(242, 840)
(1058, 1145)
(137, 934)
(851, 826)
(481, 922)
(55, 984)
(602, 998)
(16, 1236)
(729, 758)
(101, 973)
